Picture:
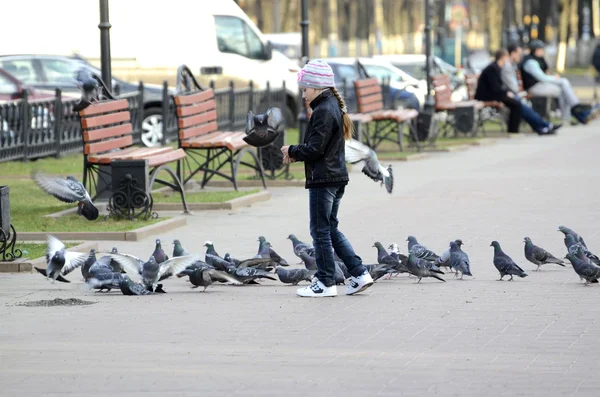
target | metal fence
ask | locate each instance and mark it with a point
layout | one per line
(41, 128)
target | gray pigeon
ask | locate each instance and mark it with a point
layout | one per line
(101, 275)
(152, 272)
(379, 270)
(539, 256)
(178, 249)
(265, 250)
(129, 287)
(300, 247)
(228, 258)
(294, 276)
(159, 254)
(459, 260)
(85, 268)
(422, 268)
(68, 190)
(566, 231)
(210, 249)
(504, 263)
(444, 259)
(309, 261)
(61, 262)
(398, 265)
(585, 270)
(394, 251)
(249, 274)
(420, 251)
(203, 277)
(356, 152)
(570, 242)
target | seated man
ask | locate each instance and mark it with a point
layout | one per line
(538, 83)
(596, 61)
(490, 88)
(509, 79)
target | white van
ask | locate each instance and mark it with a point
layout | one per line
(214, 38)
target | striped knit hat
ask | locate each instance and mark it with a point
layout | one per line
(316, 74)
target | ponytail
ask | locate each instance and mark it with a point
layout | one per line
(348, 125)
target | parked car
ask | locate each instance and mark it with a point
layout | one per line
(13, 89)
(289, 44)
(47, 72)
(350, 70)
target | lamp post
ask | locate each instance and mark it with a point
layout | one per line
(429, 102)
(302, 114)
(105, 44)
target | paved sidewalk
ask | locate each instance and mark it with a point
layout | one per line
(532, 337)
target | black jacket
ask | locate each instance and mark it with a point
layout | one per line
(489, 86)
(528, 79)
(596, 58)
(323, 150)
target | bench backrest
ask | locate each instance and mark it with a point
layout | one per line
(196, 114)
(442, 88)
(471, 80)
(106, 126)
(368, 95)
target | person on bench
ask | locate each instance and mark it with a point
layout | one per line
(538, 83)
(596, 62)
(509, 79)
(490, 88)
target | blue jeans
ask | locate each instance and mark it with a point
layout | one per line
(324, 203)
(532, 118)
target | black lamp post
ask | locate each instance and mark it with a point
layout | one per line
(105, 44)
(302, 114)
(429, 101)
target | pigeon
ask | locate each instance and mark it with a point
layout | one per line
(58, 278)
(262, 129)
(379, 270)
(249, 274)
(504, 263)
(571, 242)
(300, 247)
(585, 270)
(294, 276)
(129, 287)
(218, 262)
(265, 250)
(419, 250)
(421, 268)
(152, 272)
(539, 256)
(114, 264)
(459, 260)
(85, 268)
(61, 262)
(102, 275)
(444, 259)
(394, 251)
(309, 261)
(210, 249)
(159, 254)
(357, 152)
(228, 258)
(566, 231)
(178, 250)
(398, 265)
(68, 190)
(203, 277)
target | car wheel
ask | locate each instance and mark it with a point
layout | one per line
(152, 133)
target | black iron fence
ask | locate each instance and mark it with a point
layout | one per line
(31, 129)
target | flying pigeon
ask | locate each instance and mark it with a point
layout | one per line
(444, 259)
(539, 256)
(152, 272)
(203, 277)
(422, 268)
(504, 263)
(262, 129)
(566, 231)
(585, 270)
(68, 190)
(420, 251)
(294, 276)
(300, 247)
(357, 152)
(459, 260)
(178, 250)
(61, 262)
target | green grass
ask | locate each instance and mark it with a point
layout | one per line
(202, 197)
(29, 204)
(34, 251)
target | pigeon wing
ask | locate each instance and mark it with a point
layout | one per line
(224, 277)
(274, 119)
(176, 265)
(357, 151)
(58, 188)
(131, 264)
(72, 261)
(250, 123)
(54, 245)
(253, 262)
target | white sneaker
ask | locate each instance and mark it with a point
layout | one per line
(317, 290)
(359, 284)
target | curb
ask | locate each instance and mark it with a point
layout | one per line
(232, 204)
(132, 235)
(25, 265)
(257, 183)
(410, 157)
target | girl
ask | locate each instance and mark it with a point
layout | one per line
(326, 178)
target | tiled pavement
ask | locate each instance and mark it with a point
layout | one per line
(536, 336)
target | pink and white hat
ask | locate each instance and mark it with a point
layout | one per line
(316, 74)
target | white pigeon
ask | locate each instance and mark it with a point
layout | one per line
(357, 152)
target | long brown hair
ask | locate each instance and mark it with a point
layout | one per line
(348, 125)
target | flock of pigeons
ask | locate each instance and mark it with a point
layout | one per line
(135, 276)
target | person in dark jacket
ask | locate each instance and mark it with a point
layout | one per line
(596, 61)
(491, 88)
(323, 153)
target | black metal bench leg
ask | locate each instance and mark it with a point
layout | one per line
(176, 182)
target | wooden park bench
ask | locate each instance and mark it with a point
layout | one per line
(491, 110)
(208, 149)
(443, 103)
(108, 135)
(381, 124)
